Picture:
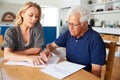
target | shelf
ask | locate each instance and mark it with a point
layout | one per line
(102, 3)
(115, 31)
(106, 12)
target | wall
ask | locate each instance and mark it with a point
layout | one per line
(41, 2)
(5, 7)
(49, 14)
(68, 3)
(14, 5)
(53, 3)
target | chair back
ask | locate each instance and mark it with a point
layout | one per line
(110, 59)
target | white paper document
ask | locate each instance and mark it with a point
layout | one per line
(62, 70)
(53, 60)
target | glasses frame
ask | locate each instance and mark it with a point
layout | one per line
(75, 25)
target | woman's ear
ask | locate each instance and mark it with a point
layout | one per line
(22, 14)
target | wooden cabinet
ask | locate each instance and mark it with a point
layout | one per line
(105, 37)
(110, 34)
(114, 38)
(110, 37)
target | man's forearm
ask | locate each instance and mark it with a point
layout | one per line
(96, 73)
(96, 70)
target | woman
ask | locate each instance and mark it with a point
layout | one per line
(27, 38)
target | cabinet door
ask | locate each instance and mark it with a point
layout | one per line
(114, 38)
(110, 37)
(105, 36)
(49, 34)
(3, 29)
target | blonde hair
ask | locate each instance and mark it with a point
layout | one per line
(19, 19)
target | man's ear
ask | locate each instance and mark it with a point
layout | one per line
(85, 23)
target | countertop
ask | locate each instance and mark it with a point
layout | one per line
(115, 31)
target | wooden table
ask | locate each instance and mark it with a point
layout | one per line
(12, 72)
(8, 72)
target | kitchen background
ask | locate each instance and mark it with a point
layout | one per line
(105, 17)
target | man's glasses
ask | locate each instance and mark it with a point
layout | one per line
(75, 25)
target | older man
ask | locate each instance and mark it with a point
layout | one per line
(83, 45)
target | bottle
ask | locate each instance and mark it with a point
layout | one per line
(103, 24)
(90, 2)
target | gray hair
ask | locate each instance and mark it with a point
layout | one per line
(83, 11)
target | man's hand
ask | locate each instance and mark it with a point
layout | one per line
(45, 55)
(49, 47)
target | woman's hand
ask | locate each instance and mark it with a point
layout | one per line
(41, 59)
(35, 60)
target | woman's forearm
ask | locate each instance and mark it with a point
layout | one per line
(14, 57)
(19, 55)
(29, 51)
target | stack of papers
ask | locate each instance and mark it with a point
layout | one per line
(62, 70)
(53, 60)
